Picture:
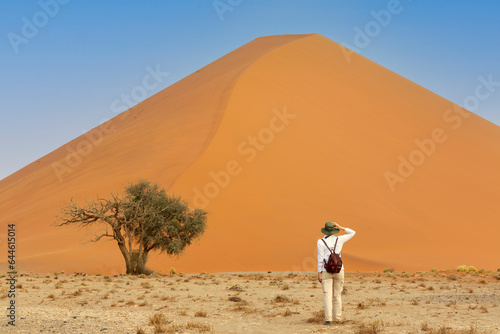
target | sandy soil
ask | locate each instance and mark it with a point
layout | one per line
(262, 302)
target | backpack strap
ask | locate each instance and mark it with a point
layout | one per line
(335, 244)
(327, 245)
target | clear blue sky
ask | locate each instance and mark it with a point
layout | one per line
(62, 66)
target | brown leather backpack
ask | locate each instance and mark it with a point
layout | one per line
(334, 264)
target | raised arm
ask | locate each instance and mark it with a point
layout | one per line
(345, 229)
(342, 228)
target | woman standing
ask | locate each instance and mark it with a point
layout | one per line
(332, 284)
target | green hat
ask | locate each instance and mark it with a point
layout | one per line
(329, 229)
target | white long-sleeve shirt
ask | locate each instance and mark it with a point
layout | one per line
(324, 253)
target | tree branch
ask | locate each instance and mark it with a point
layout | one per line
(97, 238)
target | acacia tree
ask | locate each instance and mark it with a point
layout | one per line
(144, 218)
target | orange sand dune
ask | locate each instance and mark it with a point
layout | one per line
(274, 139)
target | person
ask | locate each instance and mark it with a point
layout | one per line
(332, 284)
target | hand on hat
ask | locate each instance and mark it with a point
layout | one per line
(339, 227)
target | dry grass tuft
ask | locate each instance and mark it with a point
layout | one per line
(201, 314)
(158, 319)
(361, 306)
(284, 299)
(373, 327)
(146, 285)
(159, 322)
(199, 326)
(444, 329)
(317, 317)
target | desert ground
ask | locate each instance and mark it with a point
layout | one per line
(261, 302)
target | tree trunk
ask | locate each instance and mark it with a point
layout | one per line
(138, 263)
(126, 257)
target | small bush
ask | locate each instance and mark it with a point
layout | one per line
(467, 269)
(200, 327)
(425, 326)
(146, 285)
(361, 306)
(281, 299)
(201, 314)
(172, 271)
(373, 327)
(452, 277)
(388, 270)
(317, 317)
(158, 321)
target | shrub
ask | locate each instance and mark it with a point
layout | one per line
(467, 269)
(361, 306)
(388, 270)
(158, 321)
(201, 314)
(282, 299)
(370, 328)
(146, 285)
(317, 317)
(200, 327)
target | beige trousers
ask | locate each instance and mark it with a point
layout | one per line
(332, 285)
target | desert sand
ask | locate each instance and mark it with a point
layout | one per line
(446, 302)
(274, 139)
